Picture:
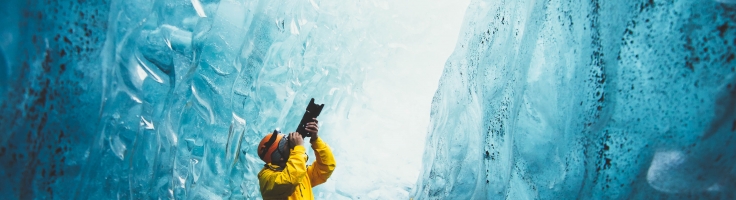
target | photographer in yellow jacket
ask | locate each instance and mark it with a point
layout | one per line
(285, 174)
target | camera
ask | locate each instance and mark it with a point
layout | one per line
(312, 111)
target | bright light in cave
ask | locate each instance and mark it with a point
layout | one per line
(380, 152)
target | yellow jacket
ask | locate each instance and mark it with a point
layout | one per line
(297, 179)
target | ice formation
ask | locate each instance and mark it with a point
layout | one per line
(130, 99)
(559, 99)
(586, 100)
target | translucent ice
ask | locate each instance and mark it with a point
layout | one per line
(560, 99)
(586, 100)
(132, 99)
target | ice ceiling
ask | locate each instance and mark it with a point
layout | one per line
(559, 99)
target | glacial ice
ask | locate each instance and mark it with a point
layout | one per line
(569, 99)
(559, 99)
(131, 99)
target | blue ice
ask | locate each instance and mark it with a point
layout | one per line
(586, 100)
(560, 99)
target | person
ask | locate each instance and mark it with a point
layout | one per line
(285, 174)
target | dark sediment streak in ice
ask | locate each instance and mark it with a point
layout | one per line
(586, 99)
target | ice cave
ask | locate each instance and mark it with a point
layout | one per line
(432, 99)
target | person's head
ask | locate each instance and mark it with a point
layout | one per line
(274, 148)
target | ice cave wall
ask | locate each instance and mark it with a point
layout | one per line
(567, 99)
(50, 100)
(167, 99)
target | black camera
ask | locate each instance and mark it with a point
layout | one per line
(313, 111)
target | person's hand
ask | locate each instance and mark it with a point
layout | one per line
(295, 139)
(313, 128)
